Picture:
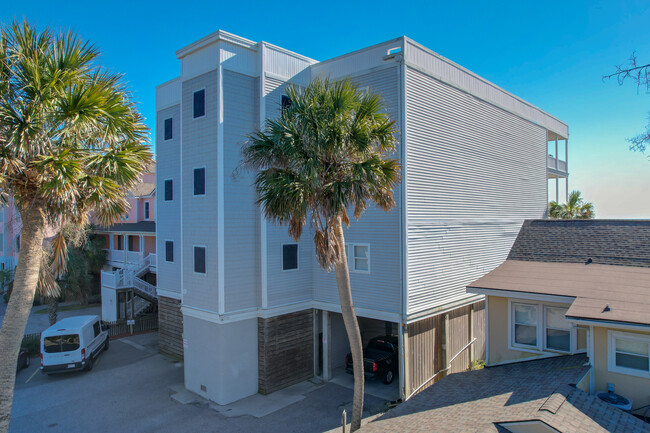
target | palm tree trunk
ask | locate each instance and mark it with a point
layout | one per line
(351, 327)
(52, 307)
(20, 305)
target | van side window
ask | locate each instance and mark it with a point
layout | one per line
(96, 328)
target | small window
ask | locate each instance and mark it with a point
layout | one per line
(199, 103)
(199, 181)
(525, 324)
(97, 328)
(289, 257)
(558, 330)
(629, 354)
(169, 251)
(168, 129)
(286, 102)
(199, 260)
(169, 190)
(360, 258)
(146, 210)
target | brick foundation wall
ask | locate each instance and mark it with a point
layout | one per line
(285, 350)
(170, 327)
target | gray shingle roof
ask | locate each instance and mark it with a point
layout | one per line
(142, 227)
(478, 401)
(607, 242)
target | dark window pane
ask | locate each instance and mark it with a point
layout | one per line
(96, 328)
(169, 251)
(168, 129)
(525, 334)
(169, 190)
(289, 257)
(632, 361)
(199, 103)
(286, 102)
(199, 260)
(69, 343)
(557, 339)
(146, 210)
(52, 344)
(199, 181)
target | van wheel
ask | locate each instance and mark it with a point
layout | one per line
(89, 364)
(106, 344)
(388, 377)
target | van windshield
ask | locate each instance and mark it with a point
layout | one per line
(61, 343)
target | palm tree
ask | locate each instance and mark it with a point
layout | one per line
(327, 153)
(574, 209)
(71, 142)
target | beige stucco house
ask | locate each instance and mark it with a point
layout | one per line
(570, 287)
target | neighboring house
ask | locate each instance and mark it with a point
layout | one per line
(578, 286)
(10, 226)
(129, 277)
(474, 166)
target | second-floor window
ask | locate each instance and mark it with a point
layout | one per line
(199, 260)
(199, 181)
(168, 129)
(285, 102)
(169, 190)
(359, 257)
(199, 103)
(146, 210)
(289, 257)
(169, 251)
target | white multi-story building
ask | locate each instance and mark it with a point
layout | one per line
(250, 308)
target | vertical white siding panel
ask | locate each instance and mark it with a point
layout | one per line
(475, 172)
(241, 228)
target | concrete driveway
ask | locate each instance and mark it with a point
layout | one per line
(130, 388)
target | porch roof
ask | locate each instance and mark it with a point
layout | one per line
(139, 227)
(608, 293)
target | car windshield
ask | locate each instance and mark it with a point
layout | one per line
(380, 345)
(61, 343)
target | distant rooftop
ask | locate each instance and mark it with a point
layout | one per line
(142, 226)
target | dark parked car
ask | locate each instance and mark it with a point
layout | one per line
(23, 359)
(380, 358)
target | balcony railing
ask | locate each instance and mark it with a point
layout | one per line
(134, 257)
(556, 164)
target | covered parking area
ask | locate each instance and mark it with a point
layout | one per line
(331, 344)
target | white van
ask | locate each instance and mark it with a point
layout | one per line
(72, 344)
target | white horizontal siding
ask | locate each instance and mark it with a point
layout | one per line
(358, 61)
(457, 76)
(168, 94)
(282, 64)
(241, 232)
(239, 59)
(474, 173)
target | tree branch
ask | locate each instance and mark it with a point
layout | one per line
(635, 72)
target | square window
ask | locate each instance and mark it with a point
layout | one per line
(525, 324)
(169, 190)
(146, 210)
(289, 257)
(169, 251)
(199, 181)
(199, 103)
(168, 129)
(632, 354)
(199, 260)
(359, 258)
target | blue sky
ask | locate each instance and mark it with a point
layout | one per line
(551, 54)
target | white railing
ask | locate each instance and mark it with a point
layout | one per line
(145, 287)
(116, 256)
(109, 279)
(153, 260)
(128, 276)
(555, 163)
(134, 257)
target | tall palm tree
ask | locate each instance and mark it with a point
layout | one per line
(71, 142)
(326, 154)
(574, 209)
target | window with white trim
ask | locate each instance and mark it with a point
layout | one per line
(557, 329)
(199, 260)
(146, 210)
(198, 104)
(525, 324)
(168, 129)
(199, 181)
(169, 190)
(289, 257)
(169, 251)
(359, 257)
(629, 353)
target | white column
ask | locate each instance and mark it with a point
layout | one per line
(327, 373)
(557, 187)
(142, 246)
(110, 242)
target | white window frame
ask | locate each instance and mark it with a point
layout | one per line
(173, 248)
(172, 180)
(205, 247)
(612, 336)
(172, 119)
(205, 103)
(205, 181)
(572, 340)
(351, 263)
(540, 348)
(146, 211)
(297, 257)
